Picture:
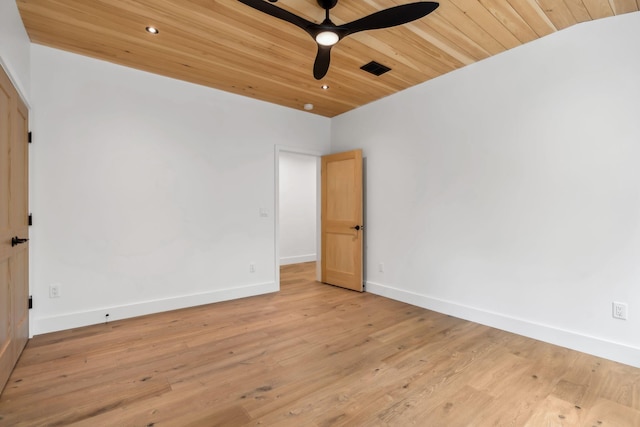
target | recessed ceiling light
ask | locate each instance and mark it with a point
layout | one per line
(324, 87)
(308, 107)
(152, 30)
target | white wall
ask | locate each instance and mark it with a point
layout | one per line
(297, 207)
(147, 191)
(14, 48)
(508, 192)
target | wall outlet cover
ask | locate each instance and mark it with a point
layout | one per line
(620, 310)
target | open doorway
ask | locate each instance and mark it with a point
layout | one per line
(297, 208)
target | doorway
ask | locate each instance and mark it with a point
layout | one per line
(297, 208)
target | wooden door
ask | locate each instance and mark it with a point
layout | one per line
(342, 228)
(14, 259)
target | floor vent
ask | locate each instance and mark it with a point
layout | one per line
(375, 68)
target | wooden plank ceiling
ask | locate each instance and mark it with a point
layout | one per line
(227, 45)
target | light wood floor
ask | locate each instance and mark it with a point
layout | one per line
(311, 355)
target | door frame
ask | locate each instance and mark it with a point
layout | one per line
(276, 211)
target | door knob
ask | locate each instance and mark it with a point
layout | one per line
(16, 241)
(358, 227)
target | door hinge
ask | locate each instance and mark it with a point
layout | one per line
(30, 138)
(30, 219)
(30, 302)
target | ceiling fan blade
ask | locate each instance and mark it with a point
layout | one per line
(279, 13)
(391, 17)
(321, 66)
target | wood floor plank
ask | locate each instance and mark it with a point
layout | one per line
(312, 355)
(555, 412)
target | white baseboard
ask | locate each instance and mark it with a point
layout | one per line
(297, 259)
(570, 339)
(44, 325)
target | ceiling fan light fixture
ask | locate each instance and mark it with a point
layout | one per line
(327, 38)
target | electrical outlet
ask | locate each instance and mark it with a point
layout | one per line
(252, 268)
(381, 268)
(54, 291)
(620, 310)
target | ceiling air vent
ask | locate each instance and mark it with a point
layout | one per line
(375, 68)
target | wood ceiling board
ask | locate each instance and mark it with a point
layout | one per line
(578, 10)
(623, 6)
(511, 20)
(598, 9)
(446, 45)
(488, 22)
(463, 23)
(558, 12)
(227, 45)
(534, 16)
(428, 53)
(438, 25)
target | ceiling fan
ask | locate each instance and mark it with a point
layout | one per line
(328, 34)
